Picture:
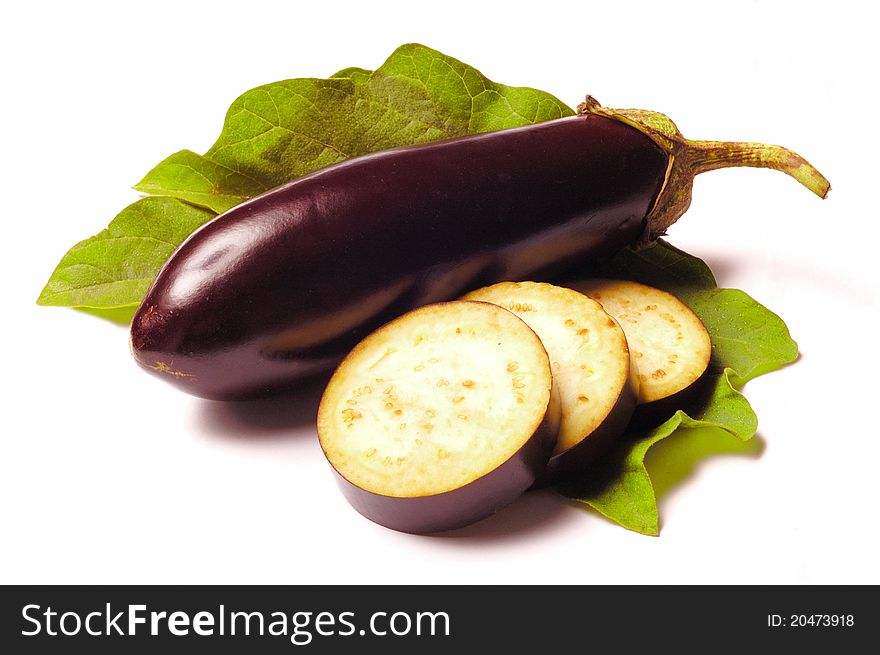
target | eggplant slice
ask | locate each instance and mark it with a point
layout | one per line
(441, 417)
(590, 362)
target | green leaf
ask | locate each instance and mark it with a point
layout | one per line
(359, 75)
(662, 266)
(114, 268)
(287, 129)
(200, 181)
(283, 130)
(747, 340)
(746, 336)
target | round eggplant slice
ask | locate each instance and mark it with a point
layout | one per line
(590, 362)
(669, 343)
(441, 417)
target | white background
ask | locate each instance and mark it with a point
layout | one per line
(108, 475)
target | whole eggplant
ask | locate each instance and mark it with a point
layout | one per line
(281, 287)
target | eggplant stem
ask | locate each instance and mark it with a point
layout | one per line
(688, 159)
(712, 155)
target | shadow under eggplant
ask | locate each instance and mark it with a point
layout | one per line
(529, 515)
(279, 416)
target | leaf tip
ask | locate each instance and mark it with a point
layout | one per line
(44, 299)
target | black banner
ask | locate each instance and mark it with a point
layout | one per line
(338, 619)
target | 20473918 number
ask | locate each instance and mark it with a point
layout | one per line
(811, 621)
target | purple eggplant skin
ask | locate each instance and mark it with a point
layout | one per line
(281, 287)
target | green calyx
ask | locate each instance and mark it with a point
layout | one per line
(687, 159)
